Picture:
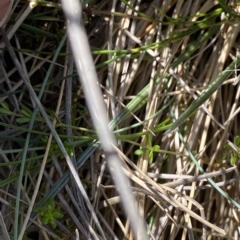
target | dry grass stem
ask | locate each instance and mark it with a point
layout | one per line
(130, 131)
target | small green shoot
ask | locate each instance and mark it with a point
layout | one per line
(49, 214)
(150, 150)
(233, 150)
(24, 117)
(54, 149)
(4, 109)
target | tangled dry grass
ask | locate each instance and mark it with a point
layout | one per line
(152, 58)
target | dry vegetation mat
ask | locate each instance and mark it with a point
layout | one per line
(119, 120)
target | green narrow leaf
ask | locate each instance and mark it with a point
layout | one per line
(53, 223)
(205, 95)
(57, 214)
(233, 159)
(5, 106)
(26, 111)
(150, 157)
(156, 148)
(22, 120)
(149, 142)
(4, 111)
(37, 30)
(45, 221)
(237, 141)
(227, 147)
(229, 10)
(140, 151)
(10, 179)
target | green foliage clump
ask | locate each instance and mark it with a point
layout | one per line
(49, 214)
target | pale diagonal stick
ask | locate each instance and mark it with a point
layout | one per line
(86, 71)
